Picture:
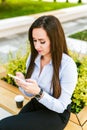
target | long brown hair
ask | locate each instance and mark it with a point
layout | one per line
(54, 30)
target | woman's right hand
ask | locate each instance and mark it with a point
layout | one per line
(21, 76)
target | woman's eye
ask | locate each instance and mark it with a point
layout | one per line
(42, 42)
(34, 40)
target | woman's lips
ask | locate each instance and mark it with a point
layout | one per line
(39, 51)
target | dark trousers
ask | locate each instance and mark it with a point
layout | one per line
(35, 116)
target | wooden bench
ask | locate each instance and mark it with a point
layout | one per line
(7, 95)
(8, 92)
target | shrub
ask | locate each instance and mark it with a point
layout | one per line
(80, 35)
(17, 64)
(79, 97)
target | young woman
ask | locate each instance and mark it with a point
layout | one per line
(51, 79)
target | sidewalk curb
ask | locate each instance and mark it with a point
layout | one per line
(67, 14)
(15, 25)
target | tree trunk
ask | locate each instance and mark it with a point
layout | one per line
(79, 1)
(54, 0)
(3, 1)
(67, 1)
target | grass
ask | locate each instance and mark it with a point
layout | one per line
(80, 35)
(13, 8)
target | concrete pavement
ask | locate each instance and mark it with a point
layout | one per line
(13, 32)
(11, 26)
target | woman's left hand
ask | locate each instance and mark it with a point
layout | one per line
(30, 86)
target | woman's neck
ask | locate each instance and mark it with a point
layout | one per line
(45, 59)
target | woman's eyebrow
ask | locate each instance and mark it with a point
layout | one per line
(39, 39)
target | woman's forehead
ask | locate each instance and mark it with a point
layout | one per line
(39, 32)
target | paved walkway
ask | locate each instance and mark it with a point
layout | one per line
(21, 24)
(13, 32)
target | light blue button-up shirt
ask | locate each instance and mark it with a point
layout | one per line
(68, 79)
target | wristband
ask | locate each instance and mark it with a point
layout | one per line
(38, 96)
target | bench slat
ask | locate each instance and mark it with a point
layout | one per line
(7, 101)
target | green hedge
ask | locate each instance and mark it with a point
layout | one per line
(16, 64)
(80, 35)
(79, 98)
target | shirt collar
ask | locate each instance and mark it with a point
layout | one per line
(37, 61)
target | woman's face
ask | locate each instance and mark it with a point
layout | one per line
(41, 41)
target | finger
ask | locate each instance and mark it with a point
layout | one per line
(26, 88)
(31, 80)
(17, 82)
(18, 73)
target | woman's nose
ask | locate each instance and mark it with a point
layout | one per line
(37, 45)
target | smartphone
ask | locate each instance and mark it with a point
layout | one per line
(15, 77)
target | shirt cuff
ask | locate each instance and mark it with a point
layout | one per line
(51, 103)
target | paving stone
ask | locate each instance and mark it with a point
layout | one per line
(4, 113)
(72, 126)
(74, 119)
(85, 126)
(82, 115)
